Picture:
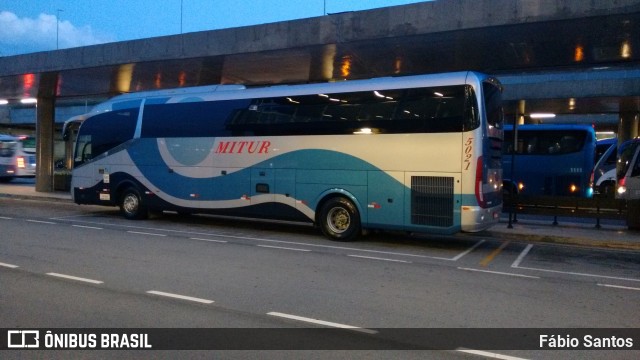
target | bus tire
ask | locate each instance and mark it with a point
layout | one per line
(339, 219)
(132, 205)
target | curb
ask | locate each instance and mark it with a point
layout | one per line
(35, 197)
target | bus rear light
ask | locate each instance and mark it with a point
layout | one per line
(479, 195)
(20, 162)
(622, 186)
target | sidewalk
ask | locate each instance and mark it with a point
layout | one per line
(569, 231)
(611, 235)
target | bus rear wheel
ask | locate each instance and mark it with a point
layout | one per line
(339, 220)
(132, 205)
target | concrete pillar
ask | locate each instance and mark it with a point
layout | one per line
(629, 117)
(322, 64)
(45, 127)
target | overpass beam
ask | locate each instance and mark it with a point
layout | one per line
(45, 127)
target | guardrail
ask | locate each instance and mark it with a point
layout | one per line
(598, 207)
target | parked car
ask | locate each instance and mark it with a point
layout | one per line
(604, 172)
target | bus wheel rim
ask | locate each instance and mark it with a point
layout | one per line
(338, 220)
(130, 204)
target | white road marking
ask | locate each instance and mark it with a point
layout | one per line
(381, 259)
(578, 274)
(182, 297)
(522, 256)
(456, 258)
(88, 227)
(619, 287)
(145, 233)
(322, 322)
(488, 354)
(283, 248)
(75, 278)
(41, 222)
(5, 218)
(9, 266)
(210, 240)
(251, 238)
(499, 273)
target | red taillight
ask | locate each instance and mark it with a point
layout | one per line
(21, 163)
(479, 195)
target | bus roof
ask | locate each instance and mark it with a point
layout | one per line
(225, 92)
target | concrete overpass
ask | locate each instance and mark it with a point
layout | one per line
(574, 58)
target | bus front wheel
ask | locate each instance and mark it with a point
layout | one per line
(340, 220)
(132, 205)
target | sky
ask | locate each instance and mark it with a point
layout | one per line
(28, 26)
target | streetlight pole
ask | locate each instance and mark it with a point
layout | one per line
(58, 28)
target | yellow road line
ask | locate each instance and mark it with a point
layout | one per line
(493, 254)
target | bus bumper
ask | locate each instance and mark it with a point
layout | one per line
(475, 218)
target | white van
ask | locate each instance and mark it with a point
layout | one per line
(17, 157)
(628, 175)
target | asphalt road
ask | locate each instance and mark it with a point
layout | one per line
(64, 265)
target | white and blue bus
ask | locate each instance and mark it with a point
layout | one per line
(415, 153)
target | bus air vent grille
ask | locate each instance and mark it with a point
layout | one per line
(432, 201)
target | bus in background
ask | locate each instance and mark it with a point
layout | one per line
(554, 160)
(17, 157)
(415, 153)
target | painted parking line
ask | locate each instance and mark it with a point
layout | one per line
(499, 273)
(88, 227)
(619, 287)
(490, 355)
(145, 233)
(380, 259)
(522, 255)
(76, 278)
(578, 274)
(42, 222)
(468, 251)
(210, 240)
(322, 322)
(283, 248)
(194, 234)
(181, 297)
